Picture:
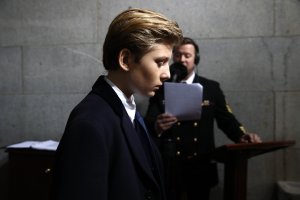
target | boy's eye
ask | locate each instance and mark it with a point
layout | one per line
(161, 62)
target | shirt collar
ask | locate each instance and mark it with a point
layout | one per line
(190, 79)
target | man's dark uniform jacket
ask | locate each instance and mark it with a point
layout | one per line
(101, 156)
(186, 145)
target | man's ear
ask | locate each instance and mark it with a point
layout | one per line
(125, 58)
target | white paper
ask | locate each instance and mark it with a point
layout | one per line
(183, 100)
(41, 145)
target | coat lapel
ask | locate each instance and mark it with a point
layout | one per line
(102, 88)
(136, 147)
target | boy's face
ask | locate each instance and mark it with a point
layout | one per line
(148, 74)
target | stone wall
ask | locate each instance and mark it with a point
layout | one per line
(50, 55)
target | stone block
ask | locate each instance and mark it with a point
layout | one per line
(284, 55)
(61, 69)
(204, 19)
(254, 110)
(11, 119)
(292, 164)
(287, 17)
(238, 64)
(261, 176)
(287, 119)
(45, 116)
(47, 22)
(11, 70)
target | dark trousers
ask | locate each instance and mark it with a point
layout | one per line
(190, 190)
(190, 194)
(188, 179)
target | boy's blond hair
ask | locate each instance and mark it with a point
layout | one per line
(137, 30)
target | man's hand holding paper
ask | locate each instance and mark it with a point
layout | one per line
(164, 122)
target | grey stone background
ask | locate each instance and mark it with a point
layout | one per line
(50, 55)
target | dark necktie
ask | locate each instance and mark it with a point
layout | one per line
(141, 129)
(145, 139)
(138, 119)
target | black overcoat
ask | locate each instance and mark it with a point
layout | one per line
(100, 156)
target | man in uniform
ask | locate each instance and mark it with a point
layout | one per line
(185, 145)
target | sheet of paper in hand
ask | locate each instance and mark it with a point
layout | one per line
(183, 100)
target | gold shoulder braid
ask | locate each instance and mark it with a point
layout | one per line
(228, 108)
(243, 129)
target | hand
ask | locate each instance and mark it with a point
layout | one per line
(164, 122)
(250, 138)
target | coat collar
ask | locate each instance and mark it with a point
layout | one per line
(103, 89)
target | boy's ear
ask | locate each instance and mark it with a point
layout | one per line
(125, 58)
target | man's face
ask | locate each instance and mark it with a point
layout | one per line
(185, 54)
(148, 74)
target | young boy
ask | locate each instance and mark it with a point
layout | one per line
(105, 152)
